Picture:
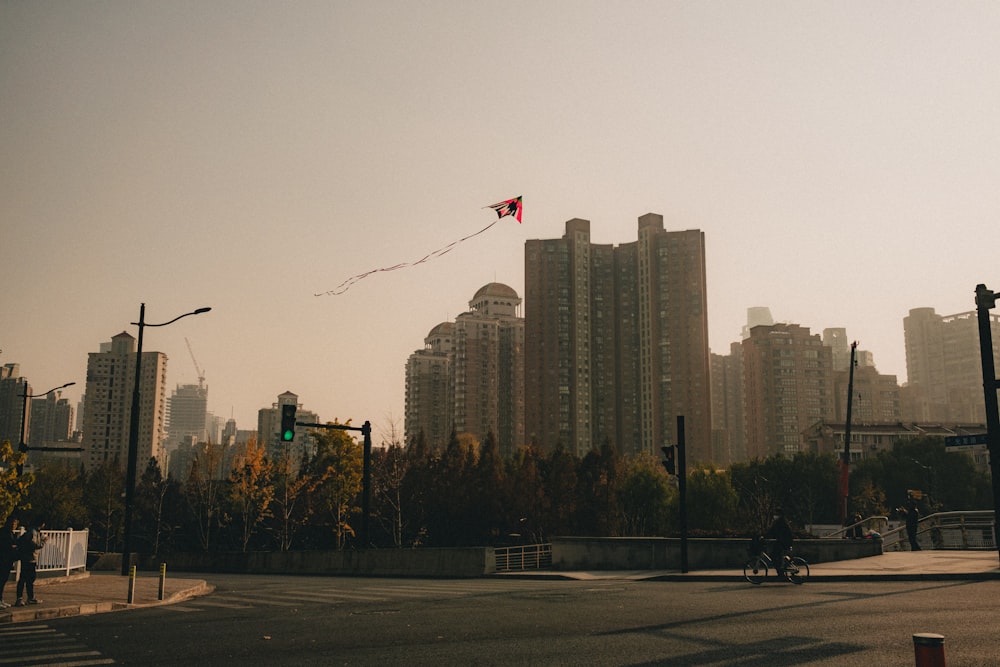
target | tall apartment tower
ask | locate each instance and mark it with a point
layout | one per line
(470, 374)
(943, 366)
(51, 419)
(729, 444)
(106, 422)
(187, 415)
(13, 388)
(788, 386)
(488, 367)
(429, 388)
(616, 341)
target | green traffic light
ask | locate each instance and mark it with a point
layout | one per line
(288, 436)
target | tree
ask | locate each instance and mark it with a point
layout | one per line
(646, 495)
(600, 479)
(158, 504)
(339, 464)
(251, 490)
(711, 500)
(204, 492)
(57, 493)
(291, 492)
(103, 491)
(13, 486)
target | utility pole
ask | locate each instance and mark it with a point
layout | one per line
(985, 300)
(845, 461)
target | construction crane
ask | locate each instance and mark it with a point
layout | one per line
(201, 373)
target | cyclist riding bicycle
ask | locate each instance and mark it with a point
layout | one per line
(781, 533)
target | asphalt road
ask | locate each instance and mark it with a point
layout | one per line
(277, 620)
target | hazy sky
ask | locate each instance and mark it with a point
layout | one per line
(842, 158)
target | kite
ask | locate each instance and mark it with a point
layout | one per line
(510, 207)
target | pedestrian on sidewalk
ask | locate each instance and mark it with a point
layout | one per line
(912, 515)
(8, 553)
(29, 545)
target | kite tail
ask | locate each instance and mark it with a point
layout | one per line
(347, 284)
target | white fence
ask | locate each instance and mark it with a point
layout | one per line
(64, 551)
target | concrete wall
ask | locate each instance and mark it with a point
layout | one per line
(459, 562)
(664, 553)
(568, 554)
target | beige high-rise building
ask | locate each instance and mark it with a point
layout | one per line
(944, 366)
(106, 421)
(788, 386)
(470, 374)
(616, 341)
(429, 388)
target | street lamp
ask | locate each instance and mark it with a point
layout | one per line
(23, 446)
(133, 433)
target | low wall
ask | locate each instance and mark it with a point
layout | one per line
(568, 554)
(422, 562)
(664, 553)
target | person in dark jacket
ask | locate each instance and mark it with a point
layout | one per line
(781, 533)
(29, 545)
(8, 553)
(912, 515)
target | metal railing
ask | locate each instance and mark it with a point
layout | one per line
(967, 530)
(525, 557)
(64, 551)
(877, 523)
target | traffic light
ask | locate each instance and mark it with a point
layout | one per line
(668, 459)
(288, 422)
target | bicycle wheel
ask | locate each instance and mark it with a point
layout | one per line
(755, 570)
(797, 570)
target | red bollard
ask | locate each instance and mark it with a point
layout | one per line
(928, 649)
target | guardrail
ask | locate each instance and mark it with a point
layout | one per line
(967, 530)
(64, 551)
(879, 524)
(525, 557)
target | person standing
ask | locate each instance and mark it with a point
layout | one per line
(8, 553)
(912, 524)
(29, 545)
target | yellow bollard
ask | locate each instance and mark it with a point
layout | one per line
(928, 649)
(131, 584)
(163, 579)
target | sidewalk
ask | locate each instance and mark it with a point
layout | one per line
(94, 593)
(893, 566)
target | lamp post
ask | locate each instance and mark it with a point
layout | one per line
(23, 446)
(133, 433)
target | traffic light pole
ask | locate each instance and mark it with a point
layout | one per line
(682, 491)
(366, 478)
(985, 300)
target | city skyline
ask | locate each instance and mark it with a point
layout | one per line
(840, 161)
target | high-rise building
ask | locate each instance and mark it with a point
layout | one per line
(429, 388)
(470, 374)
(187, 413)
(616, 341)
(488, 367)
(944, 366)
(729, 443)
(106, 423)
(51, 419)
(788, 385)
(13, 389)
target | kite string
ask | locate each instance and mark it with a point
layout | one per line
(346, 285)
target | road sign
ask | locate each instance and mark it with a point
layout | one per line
(966, 440)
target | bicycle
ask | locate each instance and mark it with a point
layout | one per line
(795, 569)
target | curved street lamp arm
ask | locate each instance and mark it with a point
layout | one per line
(193, 312)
